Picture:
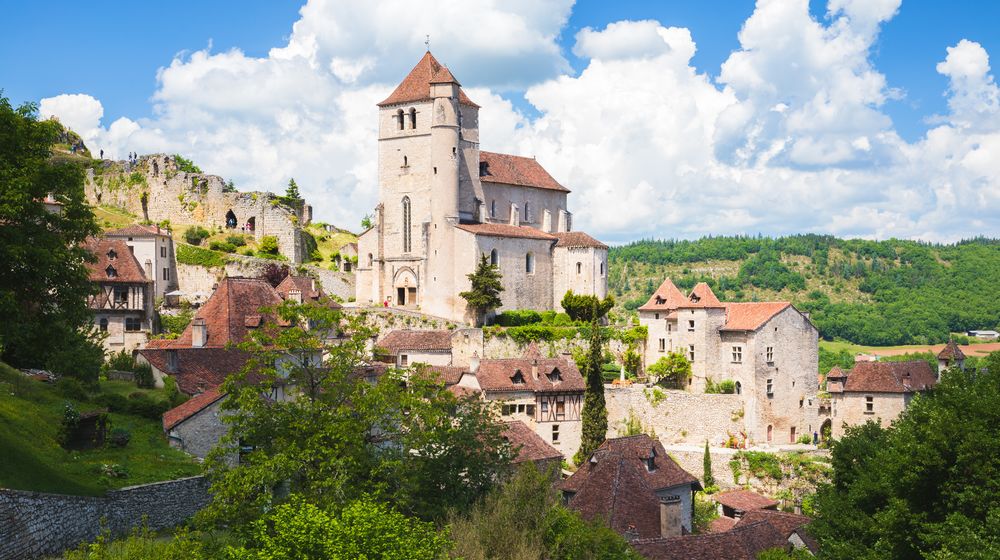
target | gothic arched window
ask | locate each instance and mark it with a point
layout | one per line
(413, 118)
(527, 213)
(494, 258)
(529, 263)
(406, 225)
(399, 119)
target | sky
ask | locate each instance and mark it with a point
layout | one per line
(667, 119)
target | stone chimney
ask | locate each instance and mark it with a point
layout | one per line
(534, 369)
(563, 225)
(474, 362)
(670, 516)
(199, 333)
(295, 295)
(172, 361)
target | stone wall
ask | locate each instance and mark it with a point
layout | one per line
(506, 347)
(33, 524)
(678, 417)
(194, 278)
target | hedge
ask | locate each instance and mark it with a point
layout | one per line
(189, 254)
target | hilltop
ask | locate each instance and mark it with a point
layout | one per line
(869, 292)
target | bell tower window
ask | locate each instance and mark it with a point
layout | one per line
(413, 118)
(399, 119)
(406, 225)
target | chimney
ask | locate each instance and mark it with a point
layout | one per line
(199, 333)
(670, 516)
(534, 369)
(798, 507)
(474, 362)
(295, 295)
(172, 361)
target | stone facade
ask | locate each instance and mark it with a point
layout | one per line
(852, 409)
(153, 248)
(34, 525)
(677, 417)
(156, 190)
(194, 278)
(199, 433)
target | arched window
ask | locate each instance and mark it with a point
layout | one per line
(406, 224)
(406, 161)
(739, 388)
(371, 260)
(413, 118)
(579, 268)
(527, 213)
(494, 258)
(770, 430)
(104, 324)
(493, 208)
(529, 263)
(399, 119)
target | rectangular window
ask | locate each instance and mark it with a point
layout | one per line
(166, 274)
(560, 409)
(121, 294)
(133, 324)
(869, 405)
(555, 433)
(670, 328)
(663, 344)
(545, 407)
(737, 354)
(691, 325)
(163, 251)
(404, 360)
(770, 388)
(770, 354)
(656, 316)
(530, 410)
(691, 353)
(520, 409)
(791, 435)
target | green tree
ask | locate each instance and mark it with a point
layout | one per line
(586, 308)
(926, 487)
(44, 282)
(186, 165)
(486, 287)
(268, 245)
(707, 477)
(672, 370)
(595, 411)
(398, 437)
(292, 192)
(196, 234)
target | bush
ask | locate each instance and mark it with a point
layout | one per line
(516, 318)
(195, 235)
(113, 402)
(586, 308)
(119, 437)
(71, 389)
(120, 361)
(186, 254)
(223, 246)
(77, 357)
(724, 387)
(144, 376)
(268, 245)
(236, 240)
(141, 404)
(805, 439)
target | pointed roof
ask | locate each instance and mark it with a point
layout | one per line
(951, 352)
(702, 296)
(519, 171)
(416, 86)
(115, 262)
(226, 313)
(666, 298)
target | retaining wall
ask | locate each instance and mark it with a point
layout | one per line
(678, 416)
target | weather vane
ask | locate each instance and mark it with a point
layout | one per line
(427, 42)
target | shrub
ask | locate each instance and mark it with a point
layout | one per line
(144, 376)
(71, 389)
(586, 307)
(516, 318)
(119, 437)
(195, 235)
(175, 324)
(724, 387)
(113, 402)
(268, 245)
(140, 404)
(223, 246)
(120, 361)
(805, 439)
(236, 240)
(187, 254)
(185, 165)
(79, 358)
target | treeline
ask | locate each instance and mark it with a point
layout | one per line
(919, 292)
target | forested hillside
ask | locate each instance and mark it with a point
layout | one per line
(868, 292)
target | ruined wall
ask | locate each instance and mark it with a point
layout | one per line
(33, 524)
(678, 416)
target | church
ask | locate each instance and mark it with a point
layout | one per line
(444, 203)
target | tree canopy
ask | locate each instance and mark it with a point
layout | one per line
(484, 295)
(586, 308)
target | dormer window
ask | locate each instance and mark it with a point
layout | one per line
(554, 376)
(695, 298)
(111, 272)
(517, 378)
(650, 460)
(112, 254)
(660, 301)
(484, 168)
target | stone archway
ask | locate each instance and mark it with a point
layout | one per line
(405, 287)
(825, 430)
(231, 221)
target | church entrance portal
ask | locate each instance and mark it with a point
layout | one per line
(406, 288)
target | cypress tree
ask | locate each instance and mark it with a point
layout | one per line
(595, 411)
(707, 465)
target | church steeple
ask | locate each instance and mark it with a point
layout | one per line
(416, 86)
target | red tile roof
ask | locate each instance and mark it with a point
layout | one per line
(113, 255)
(577, 239)
(616, 491)
(515, 170)
(751, 316)
(666, 298)
(701, 296)
(890, 377)
(226, 312)
(498, 375)
(951, 352)
(416, 86)
(309, 287)
(785, 523)
(506, 230)
(198, 369)
(721, 524)
(531, 446)
(744, 500)
(405, 339)
(450, 375)
(136, 230)
(636, 449)
(189, 408)
(739, 543)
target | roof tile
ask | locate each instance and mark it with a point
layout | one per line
(890, 377)
(416, 86)
(506, 230)
(577, 239)
(515, 170)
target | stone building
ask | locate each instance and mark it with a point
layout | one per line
(157, 190)
(755, 533)
(531, 448)
(878, 391)
(154, 249)
(770, 350)
(444, 203)
(123, 304)
(950, 356)
(196, 425)
(637, 489)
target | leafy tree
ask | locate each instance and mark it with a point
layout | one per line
(268, 245)
(292, 192)
(342, 434)
(186, 165)
(927, 486)
(44, 282)
(672, 370)
(367, 222)
(595, 411)
(486, 287)
(195, 235)
(707, 477)
(586, 308)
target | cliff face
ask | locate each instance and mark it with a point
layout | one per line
(156, 189)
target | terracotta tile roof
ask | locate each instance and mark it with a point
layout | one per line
(666, 298)
(225, 313)
(515, 170)
(189, 408)
(751, 316)
(721, 524)
(555, 375)
(890, 377)
(506, 230)
(532, 446)
(577, 239)
(635, 450)
(785, 523)
(115, 262)
(407, 339)
(616, 491)
(951, 351)
(136, 230)
(416, 86)
(744, 500)
(701, 296)
(739, 543)
(198, 369)
(450, 375)
(460, 392)
(159, 343)
(310, 288)
(835, 380)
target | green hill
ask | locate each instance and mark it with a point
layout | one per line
(868, 292)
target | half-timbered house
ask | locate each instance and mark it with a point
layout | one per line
(123, 302)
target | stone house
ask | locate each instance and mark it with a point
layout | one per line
(196, 425)
(770, 350)
(950, 356)
(153, 247)
(408, 347)
(878, 391)
(123, 305)
(348, 257)
(733, 504)
(637, 489)
(444, 203)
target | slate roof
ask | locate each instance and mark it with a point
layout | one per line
(406, 339)
(416, 86)
(189, 408)
(751, 316)
(126, 269)
(516, 170)
(635, 450)
(225, 313)
(951, 352)
(497, 375)
(506, 230)
(531, 446)
(666, 298)
(739, 543)
(198, 369)
(890, 377)
(744, 500)
(136, 230)
(577, 239)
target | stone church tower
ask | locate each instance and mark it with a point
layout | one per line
(432, 222)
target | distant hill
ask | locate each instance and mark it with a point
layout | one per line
(869, 292)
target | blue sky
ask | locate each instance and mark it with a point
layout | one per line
(189, 76)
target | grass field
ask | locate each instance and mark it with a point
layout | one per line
(977, 349)
(31, 458)
(109, 217)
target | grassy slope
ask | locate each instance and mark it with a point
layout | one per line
(30, 413)
(329, 243)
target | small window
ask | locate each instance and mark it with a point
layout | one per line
(494, 258)
(656, 316)
(104, 324)
(493, 209)
(527, 213)
(517, 378)
(413, 118)
(406, 161)
(399, 118)
(132, 324)
(555, 433)
(371, 260)
(691, 325)
(166, 274)
(869, 405)
(739, 388)
(579, 268)
(545, 407)
(770, 387)
(602, 269)
(554, 376)
(529, 263)
(505, 410)
(791, 435)
(404, 360)
(770, 354)
(530, 410)
(560, 409)
(520, 409)
(163, 251)
(737, 354)
(663, 345)
(121, 294)
(112, 254)
(691, 352)
(111, 272)
(770, 432)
